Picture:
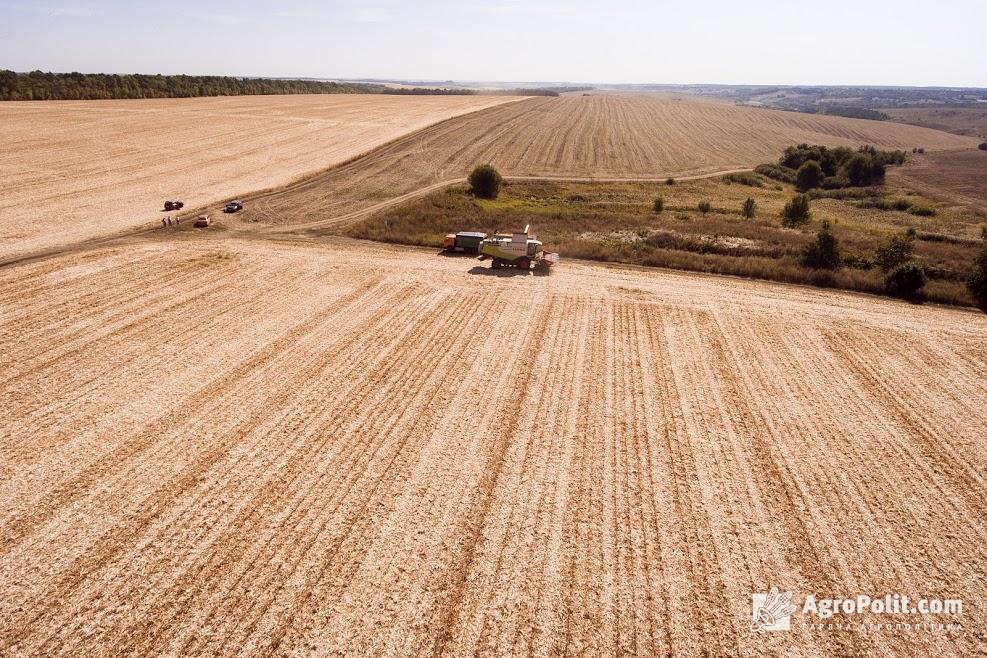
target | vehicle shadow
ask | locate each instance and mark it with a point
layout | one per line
(506, 271)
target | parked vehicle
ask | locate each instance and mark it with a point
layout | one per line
(203, 221)
(173, 205)
(464, 241)
(234, 206)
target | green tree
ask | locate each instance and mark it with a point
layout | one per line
(485, 182)
(859, 169)
(809, 176)
(796, 211)
(906, 281)
(824, 253)
(977, 284)
(749, 209)
(896, 252)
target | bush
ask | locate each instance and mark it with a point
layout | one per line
(824, 253)
(705, 206)
(896, 252)
(779, 173)
(744, 178)
(977, 283)
(659, 204)
(906, 281)
(901, 204)
(485, 182)
(858, 170)
(669, 181)
(749, 209)
(796, 211)
(809, 175)
(923, 211)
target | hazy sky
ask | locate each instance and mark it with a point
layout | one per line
(891, 42)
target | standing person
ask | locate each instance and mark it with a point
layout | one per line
(163, 223)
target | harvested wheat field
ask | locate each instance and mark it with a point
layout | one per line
(72, 170)
(956, 177)
(604, 136)
(233, 447)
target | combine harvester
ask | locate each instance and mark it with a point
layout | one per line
(519, 250)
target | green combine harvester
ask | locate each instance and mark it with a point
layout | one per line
(519, 250)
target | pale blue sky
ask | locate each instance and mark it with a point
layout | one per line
(888, 42)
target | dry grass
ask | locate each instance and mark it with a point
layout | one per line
(614, 222)
(367, 450)
(76, 170)
(623, 136)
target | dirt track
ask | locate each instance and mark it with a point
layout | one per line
(601, 136)
(72, 170)
(247, 447)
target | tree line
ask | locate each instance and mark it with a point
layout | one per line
(38, 85)
(42, 86)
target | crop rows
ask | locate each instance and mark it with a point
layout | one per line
(604, 136)
(233, 447)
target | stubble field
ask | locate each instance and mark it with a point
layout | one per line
(73, 170)
(600, 136)
(245, 447)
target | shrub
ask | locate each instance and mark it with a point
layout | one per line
(977, 284)
(485, 182)
(923, 211)
(896, 252)
(796, 211)
(906, 281)
(809, 175)
(901, 204)
(744, 178)
(858, 170)
(779, 173)
(824, 253)
(705, 206)
(659, 204)
(669, 181)
(876, 203)
(921, 150)
(749, 209)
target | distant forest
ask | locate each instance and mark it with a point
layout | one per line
(41, 86)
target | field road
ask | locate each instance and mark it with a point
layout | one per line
(75, 170)
(244, 446)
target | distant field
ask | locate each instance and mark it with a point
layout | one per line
(623, 136)
(78, 169)
(228, 447)
(971, 121)
(958, 178)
